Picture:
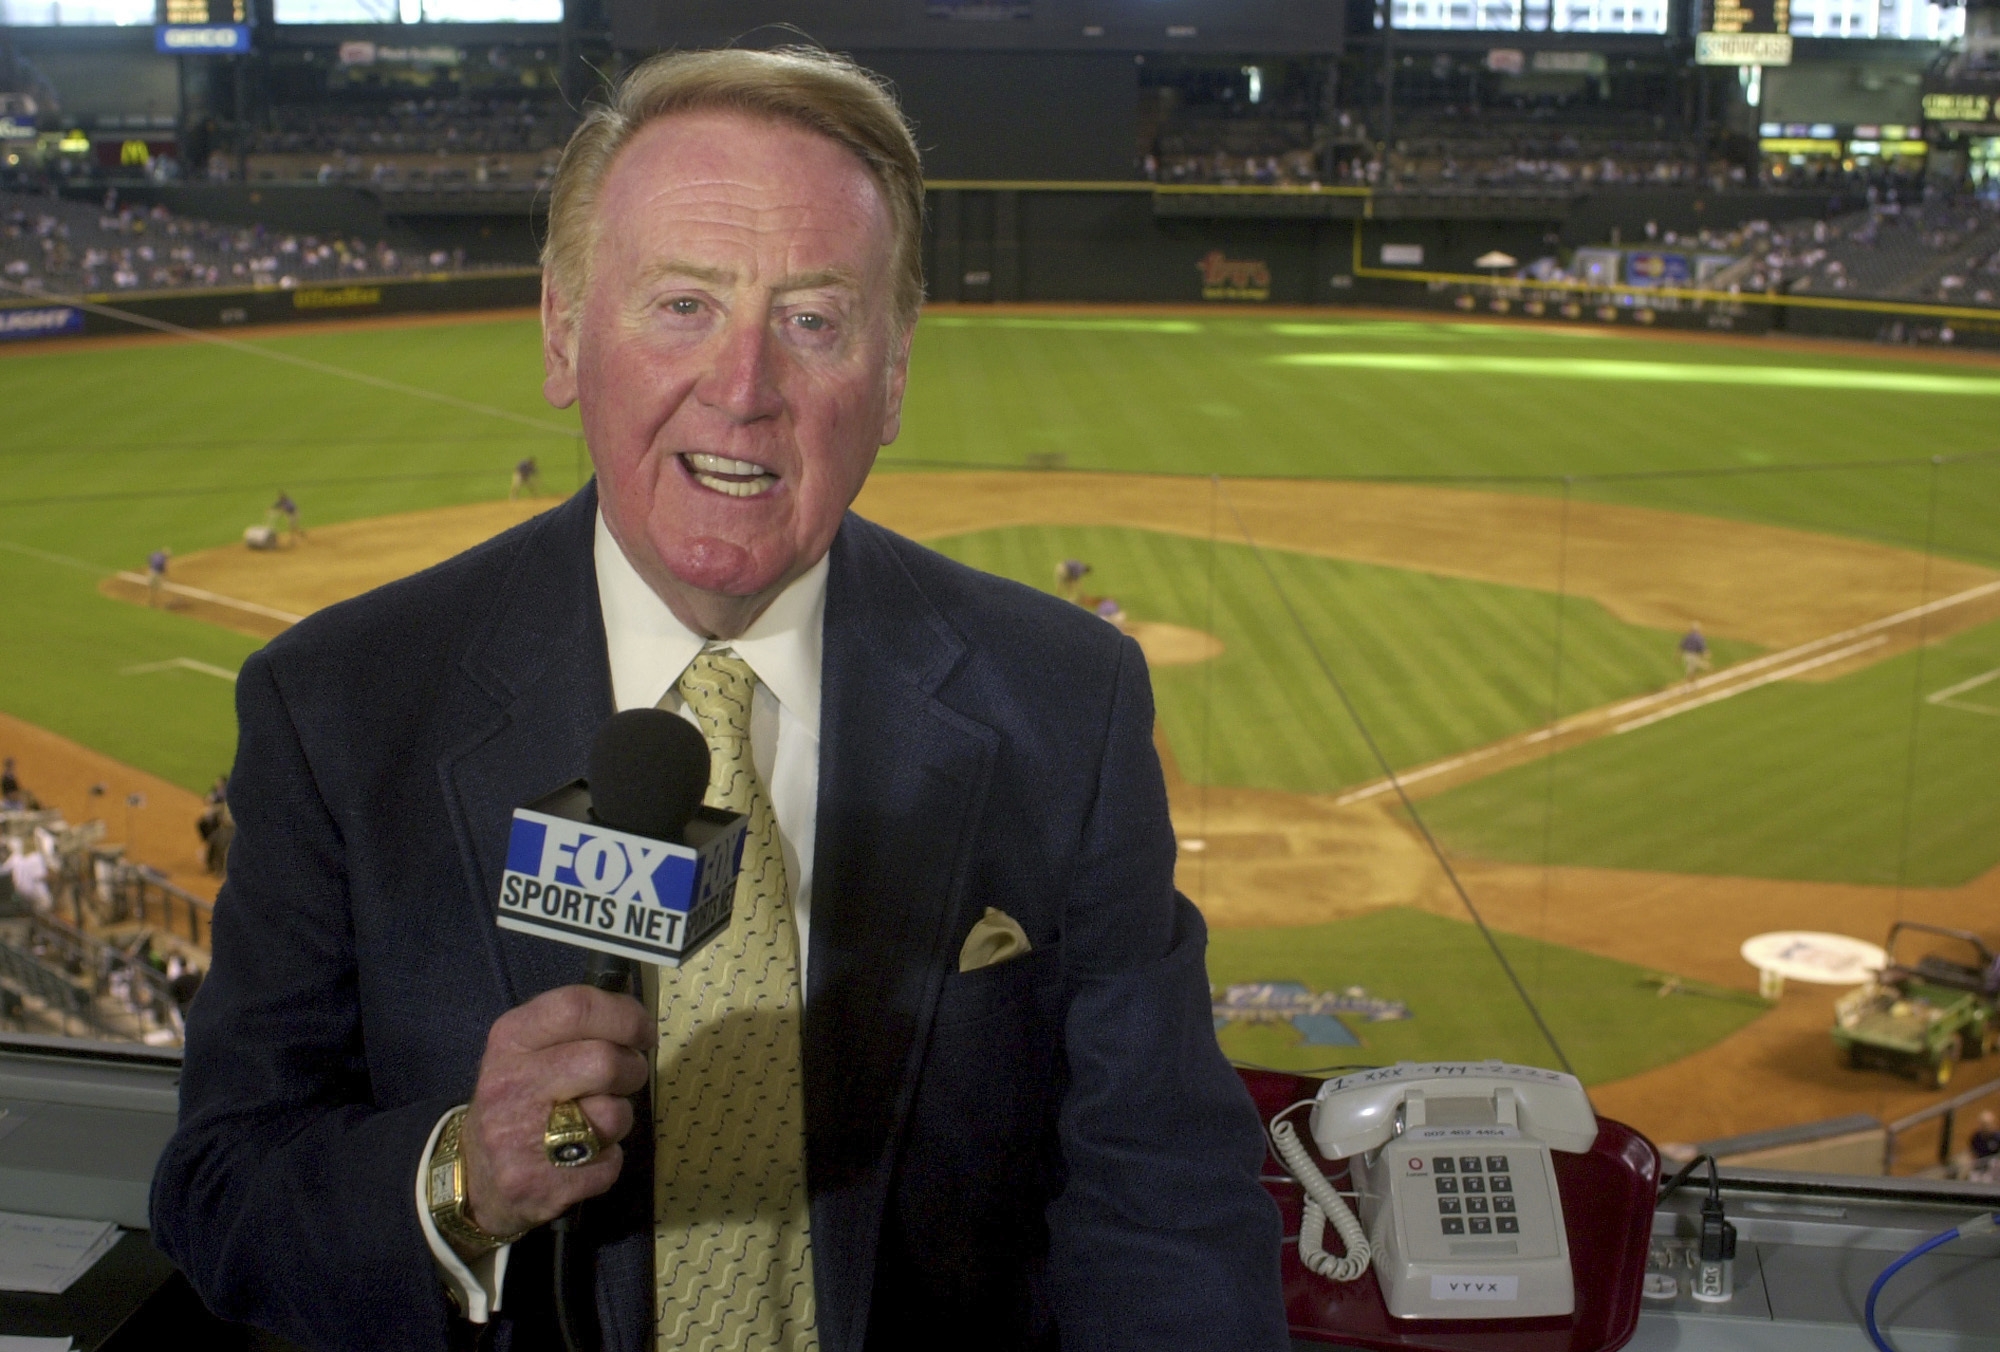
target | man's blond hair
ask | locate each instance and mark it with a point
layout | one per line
(813, 89)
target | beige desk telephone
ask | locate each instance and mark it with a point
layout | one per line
(1460, 1216)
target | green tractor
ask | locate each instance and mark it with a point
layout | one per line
(1919, 1017)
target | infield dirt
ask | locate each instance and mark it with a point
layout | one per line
(1261, 858)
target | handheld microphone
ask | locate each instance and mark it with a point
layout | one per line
(627, 863)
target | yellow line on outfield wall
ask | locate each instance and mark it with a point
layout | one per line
(1138, 185)
(1677, 293)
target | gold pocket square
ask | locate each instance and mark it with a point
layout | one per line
(996, 937)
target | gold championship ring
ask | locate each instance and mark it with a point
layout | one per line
(569, 1139)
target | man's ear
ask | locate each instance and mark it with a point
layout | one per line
(899, 380)
(558, 347)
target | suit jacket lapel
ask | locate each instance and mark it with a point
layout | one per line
(902, 780)
(542, 665)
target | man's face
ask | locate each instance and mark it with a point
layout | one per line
(735, 356)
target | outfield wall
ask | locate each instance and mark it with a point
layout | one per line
(224, 308)
(1001, 241)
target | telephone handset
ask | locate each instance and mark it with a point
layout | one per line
(1459, 1210)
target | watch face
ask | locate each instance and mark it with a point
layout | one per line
(443, 1176)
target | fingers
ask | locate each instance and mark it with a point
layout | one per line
(577, 1070)
(576, 1043)
(508, 1191)
(574, 1014)
(612, 1117)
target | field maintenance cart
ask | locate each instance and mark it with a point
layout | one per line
(1918, 1018)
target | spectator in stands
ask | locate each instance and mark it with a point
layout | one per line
(29, 869)
(183, 980)
(216, 827)
(10, 783)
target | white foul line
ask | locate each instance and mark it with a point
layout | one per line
(180, 663)
(289, 358)
(1384, 785)
(1790, 662)
(215, 598)
(1766, 679)
(1951, 690)
(1729, 675)
(1944, 698)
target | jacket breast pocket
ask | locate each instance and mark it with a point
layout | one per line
(1015, 985)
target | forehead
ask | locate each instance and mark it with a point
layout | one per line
(727, 175)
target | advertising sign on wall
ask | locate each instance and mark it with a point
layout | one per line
(41, 321)
(1644, 267)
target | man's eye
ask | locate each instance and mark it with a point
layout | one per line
(684, 305)
(810, 322)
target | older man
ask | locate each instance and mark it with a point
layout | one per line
(950, 1074)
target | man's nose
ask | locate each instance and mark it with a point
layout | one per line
(742, 379)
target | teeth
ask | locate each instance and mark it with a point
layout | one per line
(747, 480)
(721, 464)
(737, 488)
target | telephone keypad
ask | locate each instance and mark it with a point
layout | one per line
(1446, 1184)
(1453, 1225)
(1508, 1225)
(1475, 1206)
(1468, 1164)
(1444, 1164)
(1502, 1183)
(1496, 1164)
(1476, 1184)
(1480, 1225)
(1504, 1205)
(1447, 1206)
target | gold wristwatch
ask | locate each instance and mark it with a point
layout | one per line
(446, 1191)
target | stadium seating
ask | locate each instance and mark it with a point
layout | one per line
(56, 245)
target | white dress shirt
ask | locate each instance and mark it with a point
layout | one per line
(649, 648)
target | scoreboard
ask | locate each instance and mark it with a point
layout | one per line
(1740, 16)
(1744, 33)
(204, 12)
(201, 27)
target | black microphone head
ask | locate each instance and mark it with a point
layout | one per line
(648, 772)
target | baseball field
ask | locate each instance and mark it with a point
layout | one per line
(1349, 543)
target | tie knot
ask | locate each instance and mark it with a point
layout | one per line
(718, 687)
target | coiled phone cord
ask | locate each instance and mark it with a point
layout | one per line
(1323, 1204)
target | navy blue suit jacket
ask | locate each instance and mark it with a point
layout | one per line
(1047, 1151)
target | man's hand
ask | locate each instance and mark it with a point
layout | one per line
(575, 1042)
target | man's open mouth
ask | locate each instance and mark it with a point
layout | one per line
(737, 478)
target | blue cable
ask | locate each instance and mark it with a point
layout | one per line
(1978, 1225)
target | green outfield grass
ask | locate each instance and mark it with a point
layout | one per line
(1609, 1017)
(109, 453)
(1239, 395)
(1860, 779)
(1435, 665)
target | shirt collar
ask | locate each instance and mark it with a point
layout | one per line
(649, 647)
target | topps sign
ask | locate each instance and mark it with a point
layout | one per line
(570, 879)
(43, 321)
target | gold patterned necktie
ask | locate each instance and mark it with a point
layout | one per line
(733, 1257)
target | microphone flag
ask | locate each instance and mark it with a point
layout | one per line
(577, 881)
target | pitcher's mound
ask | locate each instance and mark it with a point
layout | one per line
(1172, 645)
